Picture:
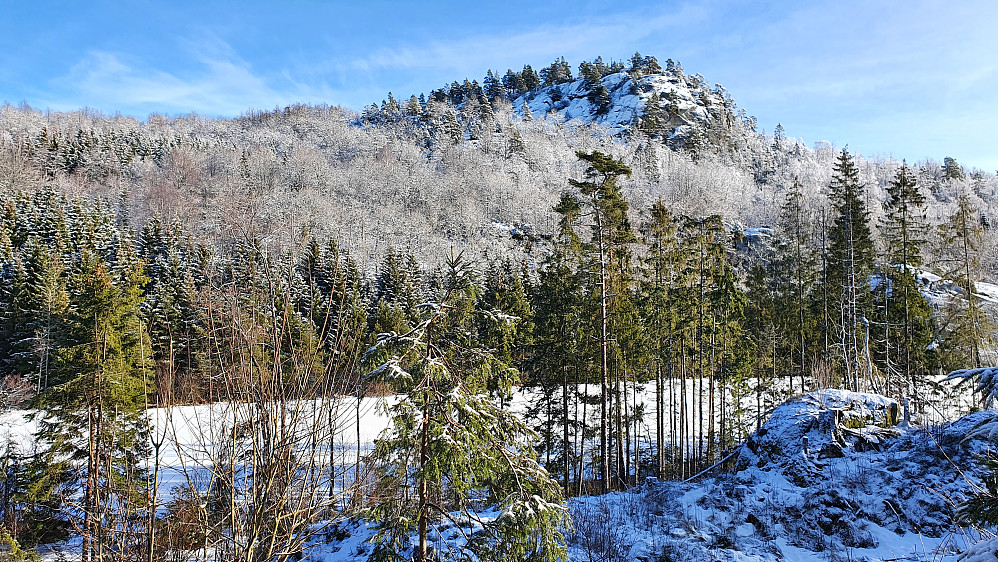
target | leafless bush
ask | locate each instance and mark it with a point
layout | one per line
(598, 530)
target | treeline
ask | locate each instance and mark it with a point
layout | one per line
(496, 87)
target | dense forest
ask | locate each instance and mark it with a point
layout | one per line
(450, 249)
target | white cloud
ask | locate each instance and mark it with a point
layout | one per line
(583, 38)
(216, 82)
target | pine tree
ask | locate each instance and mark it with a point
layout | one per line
(558, 72)
(530, 80)
(449, 443)
(611, 233)
(952, 170)
(600, 98)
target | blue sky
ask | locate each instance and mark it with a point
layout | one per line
(908, 78)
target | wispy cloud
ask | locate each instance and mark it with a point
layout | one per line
(585, 37)
(215, 81)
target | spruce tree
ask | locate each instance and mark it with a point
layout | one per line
(905, 326)
(794, 274)
(450, 447)
(850, 256)
(967, 330)
(662, 263)
(556, 363)
(100, 385)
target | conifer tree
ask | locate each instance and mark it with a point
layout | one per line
(653, 118)
(530, 80)
(449, 443)
(611, 233)
(850, 256)
(560, 351)
(663, 263)
(794, 275)
(704, 295)
(904, 329)
(42, 302)
(967, 330)
(556, 364)
(100, 385)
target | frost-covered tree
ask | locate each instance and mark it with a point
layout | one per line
(966, 329)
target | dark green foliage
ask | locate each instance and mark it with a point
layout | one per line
(642, 66)
(558, 72)
(600, 98)
(100, 383)
(653, 118)
(450, 447)
(792, 276)
(903, 226)
(530, 80)
(850, 264)
(982, 508)
(32, 492)
(952, 170)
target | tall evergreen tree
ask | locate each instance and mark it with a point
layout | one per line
(904, 327)
(794, 273)
(662, 264)
(966, 331)
(100, 385)
(850, 257)
(611, 233)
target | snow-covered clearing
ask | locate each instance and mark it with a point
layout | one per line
(828, 476)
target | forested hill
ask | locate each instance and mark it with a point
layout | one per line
(641, 97)
(452, 170)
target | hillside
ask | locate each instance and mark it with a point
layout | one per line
(440, 175)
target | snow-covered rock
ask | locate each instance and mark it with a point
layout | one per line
(831, 475)
(686, 102)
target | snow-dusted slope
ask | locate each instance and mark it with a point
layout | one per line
(685, 102)
(859, 487)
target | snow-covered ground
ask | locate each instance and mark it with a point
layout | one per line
(829, 476)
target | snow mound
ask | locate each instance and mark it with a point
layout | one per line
(830, 472)
(823, 424)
